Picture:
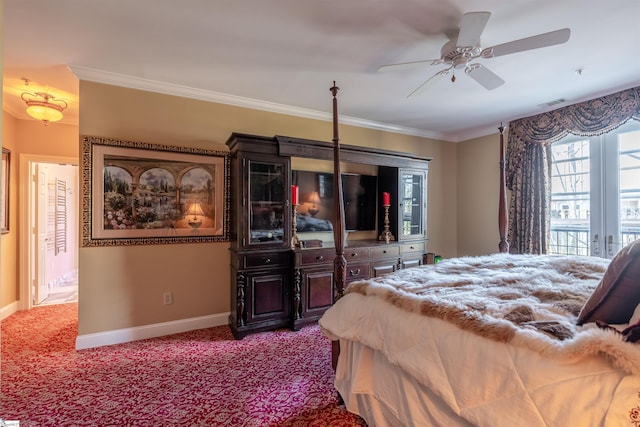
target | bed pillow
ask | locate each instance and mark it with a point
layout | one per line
(618, 293)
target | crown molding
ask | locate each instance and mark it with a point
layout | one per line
(478, 133)
(106, 77)
(12, 110)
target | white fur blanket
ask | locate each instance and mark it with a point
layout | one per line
(525, 300)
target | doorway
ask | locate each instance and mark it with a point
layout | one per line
(51, 233)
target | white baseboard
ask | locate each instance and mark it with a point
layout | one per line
(8, 310)
(120, 336)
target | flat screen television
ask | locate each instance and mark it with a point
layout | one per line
(315, 210)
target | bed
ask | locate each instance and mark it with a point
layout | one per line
(495, 340)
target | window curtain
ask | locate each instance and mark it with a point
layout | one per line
(528, 160)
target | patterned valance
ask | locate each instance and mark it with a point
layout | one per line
(588, 118)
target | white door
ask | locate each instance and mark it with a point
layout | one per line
(621, 221)
(41, 289)
(595, 200)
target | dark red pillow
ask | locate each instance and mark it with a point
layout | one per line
(618, 293)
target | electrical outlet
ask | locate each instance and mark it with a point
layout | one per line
(167, 298)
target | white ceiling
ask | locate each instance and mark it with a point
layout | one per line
(283, 55)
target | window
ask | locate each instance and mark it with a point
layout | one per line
(595, 193)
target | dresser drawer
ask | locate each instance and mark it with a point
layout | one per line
(413, 247)
(382, 268)
(265, 259)
(357, 271)
(316, 257)
(385, 252)
(411, 262)
(356, 254)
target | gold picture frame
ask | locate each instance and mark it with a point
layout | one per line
(6, 168)
(137, 193)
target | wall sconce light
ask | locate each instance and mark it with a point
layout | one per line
(43, 106)
(195, 210)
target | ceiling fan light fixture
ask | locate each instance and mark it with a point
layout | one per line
(43, 106)
(460, 62)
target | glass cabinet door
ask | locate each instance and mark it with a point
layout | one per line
(412, 203)
(267, 200)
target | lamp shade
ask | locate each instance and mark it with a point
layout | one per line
(44, 112)
(45, 107)
(314, 198)
(195, 209)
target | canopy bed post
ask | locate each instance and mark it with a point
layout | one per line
(503, 246)
(340, 262)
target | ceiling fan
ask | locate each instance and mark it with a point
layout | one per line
(463, 48)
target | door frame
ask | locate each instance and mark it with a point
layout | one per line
(25, 219)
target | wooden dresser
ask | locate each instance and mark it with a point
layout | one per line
(276, 284)
(313, 272)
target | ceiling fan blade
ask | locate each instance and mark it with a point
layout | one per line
(471, 27)
(534, 42)
(484, 76)
(401, 65)
(429, 82)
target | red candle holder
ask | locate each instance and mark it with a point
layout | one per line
(295, 240)
(386, 235)
(386, 199)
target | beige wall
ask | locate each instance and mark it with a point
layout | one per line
(477, 195)
(122, 287)
(54, 139)
(5, 295)
(8, 254)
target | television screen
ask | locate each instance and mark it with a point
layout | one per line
(315, 210)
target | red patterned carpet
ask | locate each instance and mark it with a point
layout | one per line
(200, 378)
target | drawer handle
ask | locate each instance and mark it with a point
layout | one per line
(319, 258)
(384, 251)
(411, 247)
(267, 260)
(355, 272)
(354, 254)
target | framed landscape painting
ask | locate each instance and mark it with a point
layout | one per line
(140, 193)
